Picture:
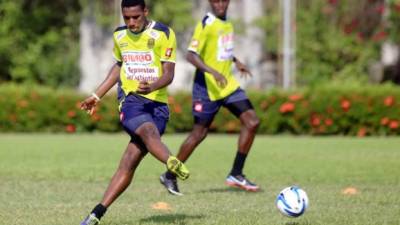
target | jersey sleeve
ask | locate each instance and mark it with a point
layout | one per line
(168, 48)
(116, 51)
(198, 39)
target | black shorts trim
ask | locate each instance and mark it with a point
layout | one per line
(239, 107)
(206, 122)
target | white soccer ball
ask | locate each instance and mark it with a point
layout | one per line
(292, 201)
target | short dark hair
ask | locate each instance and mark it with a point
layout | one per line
(130, 3)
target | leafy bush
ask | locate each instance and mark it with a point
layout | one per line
(335, 40)
(44, 109)
(39, 39)
(326, 110)
(38, 42)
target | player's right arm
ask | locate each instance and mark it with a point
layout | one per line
(195, 59)
(112, 78)
(198, 43)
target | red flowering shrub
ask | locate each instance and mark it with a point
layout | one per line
(394, 124)
(388, 101)
(326, 110)
(38, 109)
(287, 107)
(345, 104)
(70, 128)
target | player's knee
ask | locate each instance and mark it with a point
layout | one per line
(148, 133)
(253, 124)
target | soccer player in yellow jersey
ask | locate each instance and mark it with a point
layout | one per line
(144, 51)
(211, 52)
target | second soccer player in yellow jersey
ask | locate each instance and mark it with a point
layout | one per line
(211, 52)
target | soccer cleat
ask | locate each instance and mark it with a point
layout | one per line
(90, 220)
(170, 184)
(242, 182)
(177, 168)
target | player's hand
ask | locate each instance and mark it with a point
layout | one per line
(89, 104)
(220, 79)
(244, 71)
(144, 88)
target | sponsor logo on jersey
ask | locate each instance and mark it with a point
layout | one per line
(168, 52)
(140, 58)
(225, 47)
(149, 74)
(226, 39)
(150, 43)
(198, 107)
(154, 34)
(139, 66)
(194, 44)
(123, 44)
(121, 34)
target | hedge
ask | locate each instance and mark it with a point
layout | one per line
(326, 110)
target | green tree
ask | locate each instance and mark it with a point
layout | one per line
(336, 40)
(174, 13)
(38, 41)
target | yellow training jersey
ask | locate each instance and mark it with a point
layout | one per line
(141, 56)
(213, 41)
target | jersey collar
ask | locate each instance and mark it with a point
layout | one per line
(211, 15)
(147, 28)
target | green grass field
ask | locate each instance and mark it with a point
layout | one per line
(57, 179)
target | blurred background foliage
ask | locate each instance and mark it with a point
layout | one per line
(39, 42)
(39, 39)
(175, 13)
(348, 109)
(336, 40)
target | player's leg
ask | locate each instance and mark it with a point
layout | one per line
(147, 120)
(242, 108)
(196, 136)
(134, 153)
(150, 136)
(152, 139)
(123, 176)
(250, 123)
(203, 112)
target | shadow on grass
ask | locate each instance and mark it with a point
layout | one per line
(227, 190)
(180, 219)
(298, 223)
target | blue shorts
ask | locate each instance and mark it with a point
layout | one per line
(204, 109)
(136, 110)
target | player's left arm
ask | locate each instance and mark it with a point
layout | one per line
(244, 71)
(168, 69)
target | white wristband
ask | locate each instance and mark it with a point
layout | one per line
(95, 96)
